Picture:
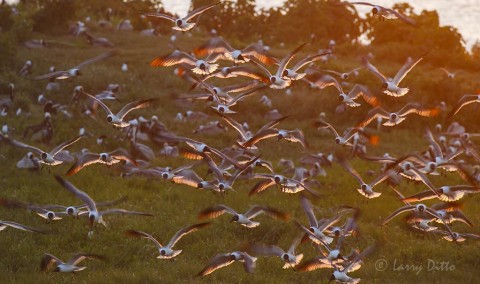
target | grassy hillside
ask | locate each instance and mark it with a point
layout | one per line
(174, 206)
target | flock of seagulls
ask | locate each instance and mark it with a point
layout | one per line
(449, 152)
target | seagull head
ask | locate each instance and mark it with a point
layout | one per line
(421, 207)
(50, 215)
(71, 210)
(364, 187)
(179, 22)
(385, 85)
(375, 10)
(278, 178)
(104, 157)
(234, 218)
(285, 257)
(273, 79)
(30, 155)
(163, 252)
(342, 97)
(44, 155)
(344, 76)
(75, 72)
(109, 118)
(393, 116)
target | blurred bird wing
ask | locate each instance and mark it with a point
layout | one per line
(135, 105)
(261, 186)
(198, 11)
(51, 75)
(219, 261)
(76, 259)
(286, 60)
(95, 59)
(176, 57)
(64, 145)
(26, 146)
(78, 193)
(184, 231)
(352, 171)
(134, 233)
(308, 209)
(48, 260)
(84, 160)
(465, 100)
(158, 15)
(268, 250)
(309, 59)
(373, 114)
(405, 69)
(215, 211)
(374, 70)
(20, 226)
(398, 212)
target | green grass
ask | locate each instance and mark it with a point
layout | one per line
(134, 260)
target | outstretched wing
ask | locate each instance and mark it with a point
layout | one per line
(184, 231)
(140, 234)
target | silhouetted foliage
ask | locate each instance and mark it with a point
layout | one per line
(54, 15)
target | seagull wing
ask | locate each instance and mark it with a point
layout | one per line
(158, 15)
(398, 212)
(78, 193)
(48, 260)
(199, 11)
(286, 60)
(84, 160)
(95, 59)
(219, 261)
(308, 209)
(405, 69)
(374, 70)
(176, 57)
(133, 233)
(64, 145)
(373, 114)
(184, 231)
(309, 59)
(216, 211)
(135, 105)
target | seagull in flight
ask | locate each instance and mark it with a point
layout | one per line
(75, 71)
(390, 86)
(167, 252)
